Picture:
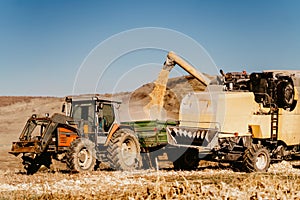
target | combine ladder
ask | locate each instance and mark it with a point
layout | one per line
(274, 124)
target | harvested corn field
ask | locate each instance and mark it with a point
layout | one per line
(281, 182)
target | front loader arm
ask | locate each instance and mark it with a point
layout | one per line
(30, 142)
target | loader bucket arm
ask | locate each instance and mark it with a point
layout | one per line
(32, 143)
(57, 120)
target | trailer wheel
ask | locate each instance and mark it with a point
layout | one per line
(188, 160)
(81, 155)
(256, 159)
(124, 151)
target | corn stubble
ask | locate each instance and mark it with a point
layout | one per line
(281, 182)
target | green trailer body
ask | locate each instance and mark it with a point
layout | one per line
(151, 133)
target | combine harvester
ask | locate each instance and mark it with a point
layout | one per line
(249, 121)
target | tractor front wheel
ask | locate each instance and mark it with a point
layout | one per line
(81, 155)
(33, 163)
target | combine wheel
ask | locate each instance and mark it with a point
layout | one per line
(256, 159)
(188, 161)
(81, 155)
(124, 151)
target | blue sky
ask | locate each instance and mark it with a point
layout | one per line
(44, 43)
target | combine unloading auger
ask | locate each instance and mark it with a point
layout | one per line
(154, 108)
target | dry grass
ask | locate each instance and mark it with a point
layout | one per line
(282, 182)
(10, 100)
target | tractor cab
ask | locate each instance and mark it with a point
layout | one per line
(95, 117)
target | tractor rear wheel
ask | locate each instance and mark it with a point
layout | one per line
(81, 155)
(124, 151)
(256, 159)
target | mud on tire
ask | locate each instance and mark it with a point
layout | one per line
(256, 159)
(124, 151)
(81, 155)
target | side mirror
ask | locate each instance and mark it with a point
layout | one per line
(63, 108)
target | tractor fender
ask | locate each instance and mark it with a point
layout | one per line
(113, 129)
